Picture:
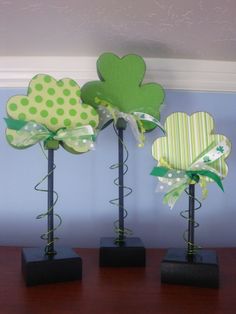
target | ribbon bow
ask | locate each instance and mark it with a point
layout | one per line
(177, 180)
(109, 113)
(30, 133)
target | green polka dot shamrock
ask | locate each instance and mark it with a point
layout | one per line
(51, 110)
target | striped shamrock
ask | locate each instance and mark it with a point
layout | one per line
(190, 148)
(190, 153)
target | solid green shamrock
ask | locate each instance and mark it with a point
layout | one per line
(121, 86)
(53, 104)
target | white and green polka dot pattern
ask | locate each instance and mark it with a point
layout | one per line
(187, 137)
(55, 104)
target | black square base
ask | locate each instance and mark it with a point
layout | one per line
(131, 253)
(38, 268)
(202, 270)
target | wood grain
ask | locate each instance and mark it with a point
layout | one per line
(114, 290)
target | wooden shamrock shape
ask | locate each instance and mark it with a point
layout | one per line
(121, 86)
(56, 105)
(190, 153)
(188, 137)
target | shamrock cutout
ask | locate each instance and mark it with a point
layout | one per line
(121, 86)
(53, 104)
(190, 138)
(220, 149)
(206, 159)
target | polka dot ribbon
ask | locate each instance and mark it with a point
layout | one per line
(30, 133)
(108, 113)
(175, 181)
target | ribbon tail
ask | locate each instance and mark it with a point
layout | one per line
(79, 145)
(23, 139)
(159, 171)
(15, 124)
(203, 185)
(80, 139)
(27, 133)
(208, 173)
(214, 177)
(174, 194)
(107, 113)
(139, 136)
(148, 117)
(159, 125)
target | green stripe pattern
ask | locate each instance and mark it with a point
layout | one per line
(187, 137)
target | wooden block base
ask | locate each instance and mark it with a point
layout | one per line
(200, 270)
(131, 253)
(38, 268)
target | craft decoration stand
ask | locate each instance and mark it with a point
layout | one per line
(121, 97)
(190, 154)
(40, 266)
(51, 113)
(187, 266)
(121, 251)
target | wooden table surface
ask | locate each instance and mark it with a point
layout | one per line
(115, 290)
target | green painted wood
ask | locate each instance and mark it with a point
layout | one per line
(121, 84)
(55, 104)
(187, 137)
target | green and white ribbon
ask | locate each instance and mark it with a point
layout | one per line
(175, 181)
(29, 133)
(108, 113)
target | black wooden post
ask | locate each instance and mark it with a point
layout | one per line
(121, 126)
(50, 238)
(191, 220)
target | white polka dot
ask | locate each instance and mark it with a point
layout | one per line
(161, 187)
(178, 171)
(169, 183)
(84, 141)
(170, 175)
(178, 179)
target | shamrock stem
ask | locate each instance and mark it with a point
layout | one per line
(191, 222)
(50, 239)
(121, 126)
(52, 200)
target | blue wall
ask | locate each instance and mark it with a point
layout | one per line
(85, 186)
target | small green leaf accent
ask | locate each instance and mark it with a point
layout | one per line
(220, 149)
(206, 159)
